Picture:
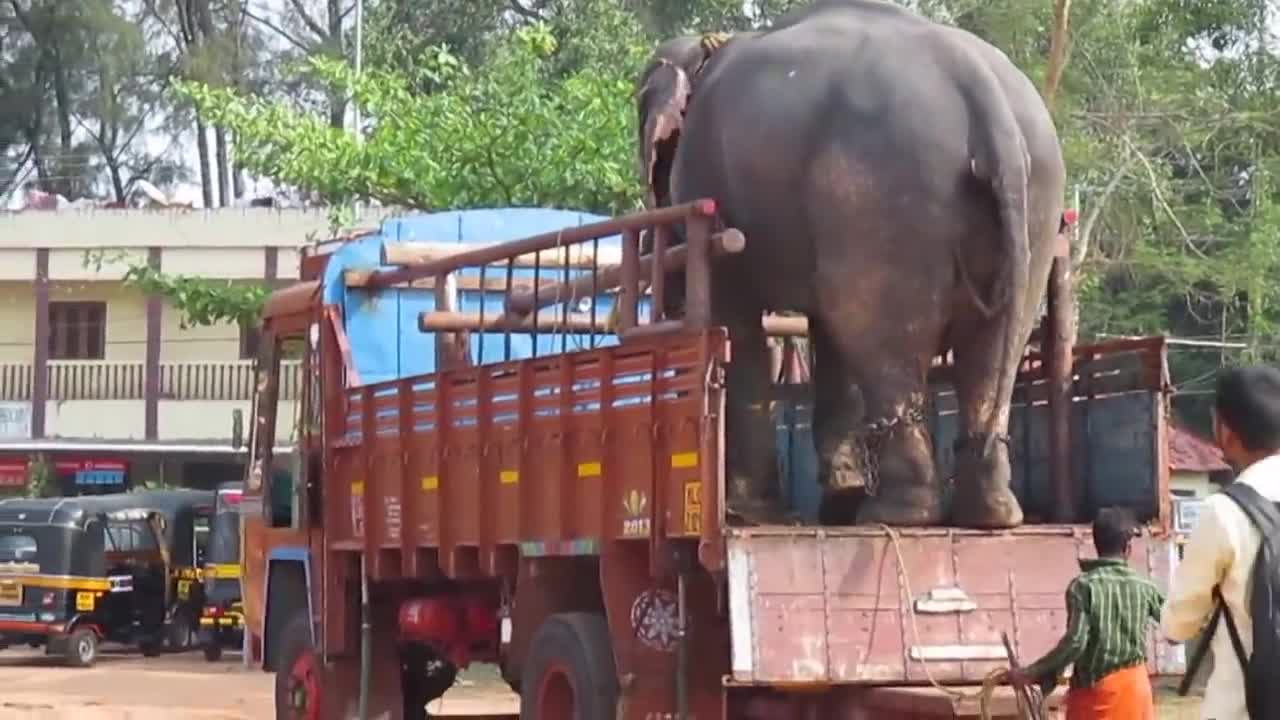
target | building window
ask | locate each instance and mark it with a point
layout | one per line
(250, 340)
(77, 330)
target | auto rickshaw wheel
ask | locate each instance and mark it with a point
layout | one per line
(297, 673)
(82, 647)
(178, 632)
(151, 647)
(213, 649)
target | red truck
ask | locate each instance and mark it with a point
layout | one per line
(562, 515)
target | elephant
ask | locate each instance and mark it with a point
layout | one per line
(900, 182)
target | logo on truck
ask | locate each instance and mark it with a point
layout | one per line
(635, 523)
(655, 621)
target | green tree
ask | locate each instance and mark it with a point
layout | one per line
(1166, 116)
(510, 131)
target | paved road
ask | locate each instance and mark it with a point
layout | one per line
(129, 687)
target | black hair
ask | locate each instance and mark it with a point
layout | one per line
(1112, 530)
(1248, 402)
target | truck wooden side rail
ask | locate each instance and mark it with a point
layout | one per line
(563, 516)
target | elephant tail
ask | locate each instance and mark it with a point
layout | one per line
(1003, 162)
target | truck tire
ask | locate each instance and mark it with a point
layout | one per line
(298, 673)
(82, 648)
(570, 673)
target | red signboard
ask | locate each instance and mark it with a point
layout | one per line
(73, 466)
(13, 473)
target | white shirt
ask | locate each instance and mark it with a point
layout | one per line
(1220, 551)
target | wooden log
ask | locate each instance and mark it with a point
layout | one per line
(577, 322)
(725, 242)
(494, 282)
(475, 256)
(417, 254)
(1059, 357)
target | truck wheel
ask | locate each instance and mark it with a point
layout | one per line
(82, 648)
(570, 673)
(298, 672)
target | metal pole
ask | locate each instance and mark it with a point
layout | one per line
(366, 640)
(355, 106)
(682, 651)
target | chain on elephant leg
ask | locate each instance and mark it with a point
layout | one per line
(901, 481)
(983, 497)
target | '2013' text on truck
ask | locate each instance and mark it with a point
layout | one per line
(545, 491)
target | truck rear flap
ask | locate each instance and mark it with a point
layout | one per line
(870, 606)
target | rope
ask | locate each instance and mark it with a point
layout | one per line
(989, 683)
(713, 41)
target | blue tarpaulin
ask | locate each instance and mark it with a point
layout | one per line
(382, 325)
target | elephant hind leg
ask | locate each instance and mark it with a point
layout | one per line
(983, 495)
(893, 452)
(837, 412)
(753, 493)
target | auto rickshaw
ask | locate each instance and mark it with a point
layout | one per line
(222, 621)
(74, 574)
(187, 516)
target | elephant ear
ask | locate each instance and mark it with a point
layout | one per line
(662, 101)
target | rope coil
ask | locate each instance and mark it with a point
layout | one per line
(992, 679)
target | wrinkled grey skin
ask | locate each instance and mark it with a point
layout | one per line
(898, 181)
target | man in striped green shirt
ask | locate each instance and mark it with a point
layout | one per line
(1109, 607)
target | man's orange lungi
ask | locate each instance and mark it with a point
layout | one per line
(1122, 695)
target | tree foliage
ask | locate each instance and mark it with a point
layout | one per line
(518, 129)
(1166, 114)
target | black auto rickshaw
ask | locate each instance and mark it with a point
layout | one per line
(187, 515)
(74, 573)
(222, 621)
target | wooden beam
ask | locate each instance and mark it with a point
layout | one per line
(417, 254)
(577, 322)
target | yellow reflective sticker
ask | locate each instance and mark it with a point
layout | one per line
(684, 460)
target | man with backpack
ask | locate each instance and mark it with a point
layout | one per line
(1228, 582)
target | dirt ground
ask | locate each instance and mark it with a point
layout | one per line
(129, 687)
(124, 686)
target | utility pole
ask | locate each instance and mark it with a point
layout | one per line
(355, 106)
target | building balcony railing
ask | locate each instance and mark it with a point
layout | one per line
(107, 380)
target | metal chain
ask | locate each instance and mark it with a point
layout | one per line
(872, 438)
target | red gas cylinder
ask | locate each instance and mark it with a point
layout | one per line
(480, 617)
(433, 621)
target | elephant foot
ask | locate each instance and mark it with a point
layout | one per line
(843, 470)
(840, 505)
(983, 498)
(914, 509)
(752, 513)
(993, 507)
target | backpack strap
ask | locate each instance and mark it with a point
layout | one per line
(1197, 658)
(1265, 516)
(1236, 643)
(1260, 511)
